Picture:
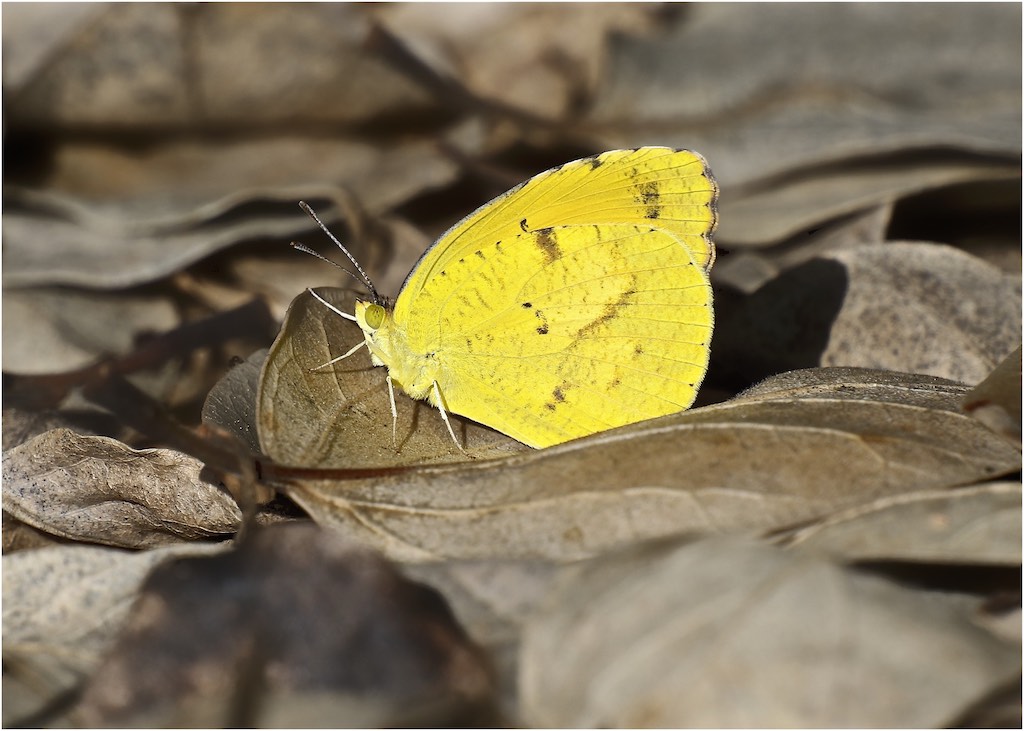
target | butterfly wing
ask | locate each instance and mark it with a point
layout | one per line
(669, 189)
(551, 335)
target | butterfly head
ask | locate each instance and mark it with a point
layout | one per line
(374, 319)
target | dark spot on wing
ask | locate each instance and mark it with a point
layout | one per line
(557, 397)
(638, 349)
(542, 329)
(610, 310)
(522, 225)
(594, 161)
(649, 196)
(527, 305)
(546, 241)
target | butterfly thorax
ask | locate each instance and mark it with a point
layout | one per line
(415, 373)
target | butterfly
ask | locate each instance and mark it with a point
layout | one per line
(576, 302)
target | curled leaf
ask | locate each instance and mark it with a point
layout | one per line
(98, 489)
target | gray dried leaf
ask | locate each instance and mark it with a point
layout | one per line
(63, 607)
(18, 536)
(802, 448)
(976, 524)
(718, 633)
(996, 401)
(341, 416)
(99, 490)
(911, 307)
(182, 201)
(302, 614)
(760, 215)
(231, 403)
(20, 425)
(50, 330)
(387, 260)
(748, 270)
(492, 600)
(828, 83)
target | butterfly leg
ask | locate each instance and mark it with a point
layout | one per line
(340, 357)
(444, 415)
(394, 413)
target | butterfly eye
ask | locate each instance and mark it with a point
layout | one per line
(374, 316)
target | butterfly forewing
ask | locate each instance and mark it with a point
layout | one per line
(657, 186)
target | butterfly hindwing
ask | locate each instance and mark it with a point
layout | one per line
(551, 334)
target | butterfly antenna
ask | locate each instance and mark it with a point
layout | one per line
(365, 279)
(306, 250)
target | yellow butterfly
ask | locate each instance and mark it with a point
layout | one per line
(576, 302)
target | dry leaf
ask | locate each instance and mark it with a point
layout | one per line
(247, 633)
(63, 607)
(98, 489)
(772, 88)
(748, 270)
(815, 443)
(996, 401)
(912, 307)
(763, 214)
(976, 524)
(492, 599)
(231, 403)
(517, 53)
(50, 330)
(717, 633)
(138, 66)
(341, 416)
(278, 278)
(113, 218)
(19, 425)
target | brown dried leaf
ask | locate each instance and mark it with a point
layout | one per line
(63, 607)
(310, 616)
(180, 66)
(912, 307)
(976, 524)
(816, 442)
(98, 489)
(735, 635)
(341, 416)
(518, 54)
